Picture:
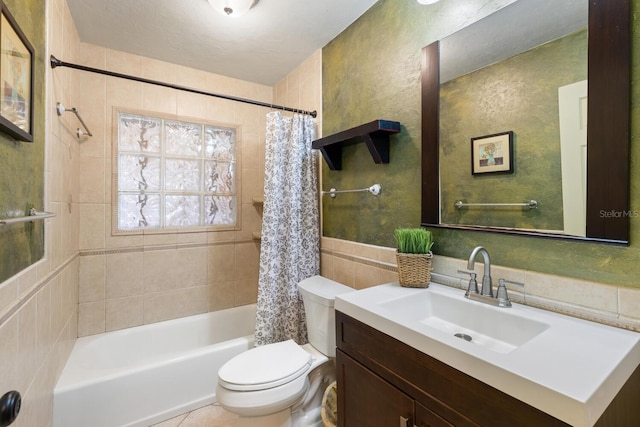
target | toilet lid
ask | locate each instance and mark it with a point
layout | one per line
(265, 367)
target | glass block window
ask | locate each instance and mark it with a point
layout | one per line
(174, 174)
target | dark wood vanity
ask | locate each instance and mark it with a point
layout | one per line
(384, 382)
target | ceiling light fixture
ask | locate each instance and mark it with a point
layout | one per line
(233, 8)
(427, 1)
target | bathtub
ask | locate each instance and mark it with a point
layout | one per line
(143, 375)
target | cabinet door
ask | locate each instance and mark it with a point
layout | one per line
(364, 399)
(427, 418)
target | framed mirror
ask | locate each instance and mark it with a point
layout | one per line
(606, 208)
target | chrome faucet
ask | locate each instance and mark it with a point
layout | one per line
(486, 289)
(486, 293)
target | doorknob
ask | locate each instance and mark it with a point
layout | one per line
(10, 404)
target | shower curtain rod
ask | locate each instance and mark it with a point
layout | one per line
(55, 62)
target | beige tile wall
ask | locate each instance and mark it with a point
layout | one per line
(38, 308)
(129, 280)
(356, 264)
(302, 88)
(360, 266)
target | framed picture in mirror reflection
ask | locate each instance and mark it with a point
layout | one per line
(16, 79)
(492, 153)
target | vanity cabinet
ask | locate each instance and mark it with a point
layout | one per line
(369, 400)
(384, 382)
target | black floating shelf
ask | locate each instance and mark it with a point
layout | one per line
(375, 134)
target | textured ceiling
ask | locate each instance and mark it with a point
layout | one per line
(262, 46)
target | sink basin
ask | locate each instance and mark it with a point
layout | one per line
(567, 367)
(476, 323)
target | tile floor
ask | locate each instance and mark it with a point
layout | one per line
(208, 416)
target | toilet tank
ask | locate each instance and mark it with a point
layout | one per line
(318, 295)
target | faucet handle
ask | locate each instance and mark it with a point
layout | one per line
(473, 283)
(501, 294)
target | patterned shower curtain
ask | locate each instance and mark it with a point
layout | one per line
(289, 250)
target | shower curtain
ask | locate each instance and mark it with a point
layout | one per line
(289, 250)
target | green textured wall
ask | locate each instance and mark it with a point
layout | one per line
(371, 71)
(520, 95)
(22, 164)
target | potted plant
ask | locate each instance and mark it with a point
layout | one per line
(414, 256)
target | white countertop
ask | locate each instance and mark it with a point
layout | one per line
(572, 370)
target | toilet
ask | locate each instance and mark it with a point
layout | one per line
(281, 384)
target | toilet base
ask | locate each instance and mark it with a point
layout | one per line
(279, 419)
(305, 412)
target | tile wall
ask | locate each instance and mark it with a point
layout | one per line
(38, 306)
(129, 280)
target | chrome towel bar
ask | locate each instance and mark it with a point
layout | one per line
(60, 109)
(374, 189)
(33, 216)
(531, 204)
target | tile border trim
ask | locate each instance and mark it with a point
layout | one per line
(19, 302)
(366, 261)
(151, 248)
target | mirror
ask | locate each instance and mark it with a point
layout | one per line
(504, 74)
(607, 164)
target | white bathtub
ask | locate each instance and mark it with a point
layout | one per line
(144, 375)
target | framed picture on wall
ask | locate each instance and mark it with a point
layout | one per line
(16, 79)
(492, 153)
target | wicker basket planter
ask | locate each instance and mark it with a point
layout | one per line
(414, 270)
(329, 408)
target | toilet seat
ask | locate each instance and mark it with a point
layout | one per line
(263, 402)
(265, 367)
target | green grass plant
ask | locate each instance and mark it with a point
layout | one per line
(413, 240)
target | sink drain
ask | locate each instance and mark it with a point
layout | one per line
(463, 336)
